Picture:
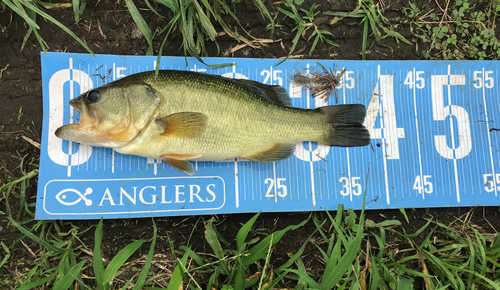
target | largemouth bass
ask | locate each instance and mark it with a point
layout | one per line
(183, 116)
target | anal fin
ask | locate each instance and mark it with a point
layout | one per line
(277, 152)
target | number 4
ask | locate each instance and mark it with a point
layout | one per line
(382, 104)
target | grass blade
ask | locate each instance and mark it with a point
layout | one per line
(147, 265)
(403, 211)
(471, 263)
(259, 250)
(365, 39)
(119, 260)
(7, 256)
(301, 268)
(267, 262)
(303, 275)
(355, 14)
(141, 24)
(53, 20)
(97, 257)
(35, 238)
(171, 4)
(263, 8)
(21, 12)
(128, 283)
(67, 280)
(375, 278)
(153, 9)
(178, 274)
(287, 13)
(28, 175)
(205, 22)
(275, 281)
(239, 276)
(441, 266)
(31, 273)
(395, 35)
(333, 271)
(294, 258)
(76, 9)
(492, 283)
(38, 282)
(83, 5)
(193, 256)
(294, 41)
(243, 233)
(213, 241)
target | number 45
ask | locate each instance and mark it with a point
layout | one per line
(425, 186)
(418, 80)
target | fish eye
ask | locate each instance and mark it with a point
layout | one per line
(93, 96)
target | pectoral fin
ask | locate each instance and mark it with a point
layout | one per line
(182, 165)
(185, 124)
(277, 152)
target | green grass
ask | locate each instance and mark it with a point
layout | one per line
(372, 20)
(29, 10)
(459, 32)
(195, 20)
(303, 23)
(64, 248)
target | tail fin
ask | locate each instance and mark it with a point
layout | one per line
(346, 125)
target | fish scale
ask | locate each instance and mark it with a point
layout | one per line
(211, 118)
(234, 128)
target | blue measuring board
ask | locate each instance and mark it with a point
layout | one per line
(434, 128)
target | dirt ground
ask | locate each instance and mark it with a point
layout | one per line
(106, 27)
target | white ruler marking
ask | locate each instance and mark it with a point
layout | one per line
(418, 134)
(495, 187)
(455, 169)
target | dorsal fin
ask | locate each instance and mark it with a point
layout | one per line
(275, 94)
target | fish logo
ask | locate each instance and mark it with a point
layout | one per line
(63, 198)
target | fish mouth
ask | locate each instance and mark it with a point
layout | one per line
(89, 119)
(77, 105)
(85, 131)
(73, 132)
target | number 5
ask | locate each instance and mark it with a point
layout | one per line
(440, 112)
